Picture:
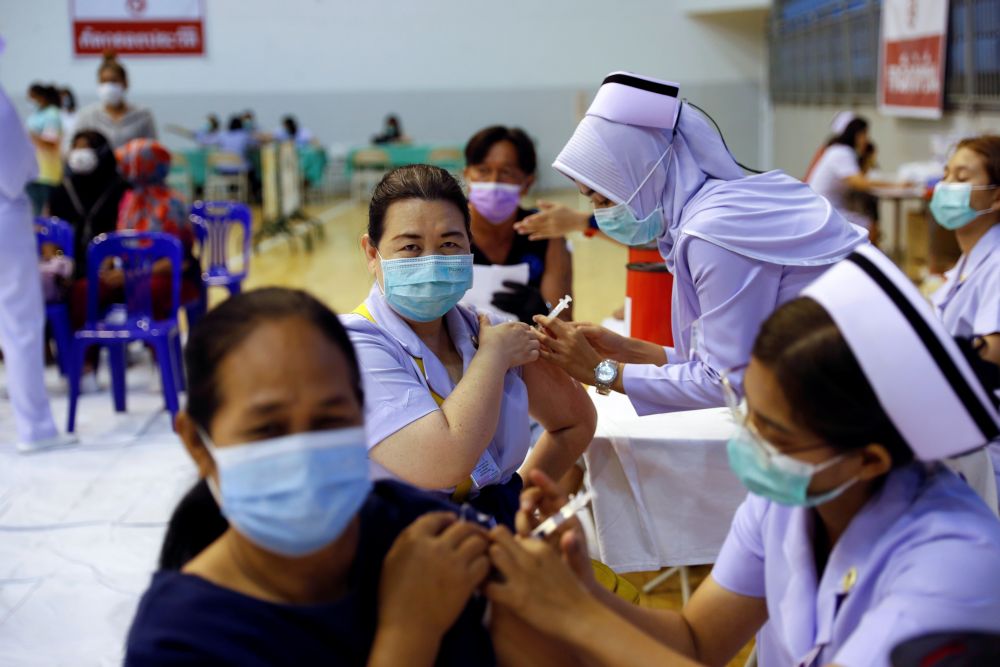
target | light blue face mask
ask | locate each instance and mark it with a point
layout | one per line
(295, 494)
(950, 204)
(423, 289)
(768, 473)
(620, 223)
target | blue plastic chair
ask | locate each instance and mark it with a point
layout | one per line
(61, 234)
(138, 252)
(213, 221)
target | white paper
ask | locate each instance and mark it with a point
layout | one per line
(488, 279)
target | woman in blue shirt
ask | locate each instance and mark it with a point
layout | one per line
(448, 391)
(316, 565)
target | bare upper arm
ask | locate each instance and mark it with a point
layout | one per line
(555, 399)
(722, 622)
(410, 453)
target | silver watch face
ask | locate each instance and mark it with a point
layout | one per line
(606, 372)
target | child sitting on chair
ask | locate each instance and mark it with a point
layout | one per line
(57, 271)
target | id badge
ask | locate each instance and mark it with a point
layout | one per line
(486, 471)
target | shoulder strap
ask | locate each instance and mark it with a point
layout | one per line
(364, 312)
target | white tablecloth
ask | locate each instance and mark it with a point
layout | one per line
(663, 491)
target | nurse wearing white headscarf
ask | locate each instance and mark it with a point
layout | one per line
(738, 246)
(22, 315)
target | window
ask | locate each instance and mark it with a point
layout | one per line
(973, 37)
(826, 52)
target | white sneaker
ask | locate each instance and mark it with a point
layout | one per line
(88, 384)
(55, 442)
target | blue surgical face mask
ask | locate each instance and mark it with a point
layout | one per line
(768, 473)
(422, 289)
(950, 204)
(620, 223)
(295, 494)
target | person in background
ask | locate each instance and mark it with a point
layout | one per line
(290, 130)
(22, 312)
(838, 171)
(249, 121)
(45, 129)
(57, 272)
(500, 169)
(837, 127)
(967, 201)
(863, 203)
(236, 140)
(151, 206)
(90, 194)
(112, 115)
(853, 538)
(392, 131)
(310, 562)
(88, 198)
(449, 392)
(68, 114)
(208, 135)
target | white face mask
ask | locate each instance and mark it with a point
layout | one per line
(82, 160)
(111, 92)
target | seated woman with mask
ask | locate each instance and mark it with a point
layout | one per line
(448, 392)
(846, 546)
(501, 169)
(317, 565)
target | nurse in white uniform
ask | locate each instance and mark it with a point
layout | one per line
(967, 200)
(852, 540)
(22, 314)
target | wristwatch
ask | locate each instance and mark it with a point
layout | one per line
(605, 374)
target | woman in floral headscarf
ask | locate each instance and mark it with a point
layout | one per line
(151, 206)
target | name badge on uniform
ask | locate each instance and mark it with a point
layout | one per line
(486, 471)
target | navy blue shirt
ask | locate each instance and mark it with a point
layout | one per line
(186, 620)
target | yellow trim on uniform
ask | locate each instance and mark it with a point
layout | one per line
(463, 489)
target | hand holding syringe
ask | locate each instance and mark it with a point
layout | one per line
(565, 513)
(560, 307)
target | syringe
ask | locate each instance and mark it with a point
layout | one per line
(565, 513)
(555, 312)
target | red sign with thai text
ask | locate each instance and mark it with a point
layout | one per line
(143, 27)
(913, 72)
(911, 76)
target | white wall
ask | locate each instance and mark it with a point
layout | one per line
(446, 66)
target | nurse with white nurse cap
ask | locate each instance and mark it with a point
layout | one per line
(657, 170)
(967, 201)
(22, 312)
(853, 538)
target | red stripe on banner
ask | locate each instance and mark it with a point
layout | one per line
(148, 37)
(913, 72)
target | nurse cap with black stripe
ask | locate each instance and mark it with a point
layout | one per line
(637, 100)
(918, 373)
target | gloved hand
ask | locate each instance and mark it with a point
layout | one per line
(523, 301)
